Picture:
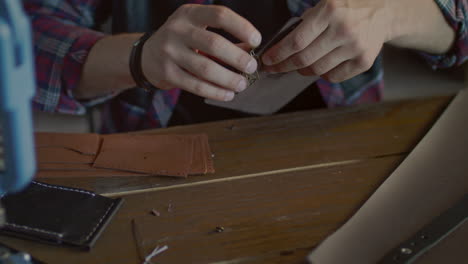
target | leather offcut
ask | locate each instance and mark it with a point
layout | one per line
(122, 155)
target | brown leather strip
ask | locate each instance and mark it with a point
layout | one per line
(61, 155)
(169, 155)
(209, 156)
(64, 166)
(82, 143)
(86, 173)
(198, 166)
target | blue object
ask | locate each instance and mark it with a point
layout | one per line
(17, 82)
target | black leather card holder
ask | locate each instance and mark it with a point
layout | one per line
(58, 215)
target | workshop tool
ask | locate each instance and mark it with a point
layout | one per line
(17, 158)
(17, 166)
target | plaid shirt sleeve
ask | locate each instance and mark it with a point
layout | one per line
(456, 14)
(62, 40)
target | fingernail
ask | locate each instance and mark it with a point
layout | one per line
(242, 85)
(255, 39)
(251, 67)
(229, 96)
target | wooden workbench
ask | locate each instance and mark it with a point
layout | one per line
(283, 183)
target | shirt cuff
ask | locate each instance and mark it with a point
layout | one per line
(455, 13)
(73, 69)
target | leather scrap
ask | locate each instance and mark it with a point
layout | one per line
(87, 144)
(62, 155)
(167, 155)
(122, 155)
(84, 173)
(202, 162)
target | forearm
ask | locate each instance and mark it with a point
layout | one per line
(420, 25)
(106, 69)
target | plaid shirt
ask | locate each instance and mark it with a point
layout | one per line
(63, 37)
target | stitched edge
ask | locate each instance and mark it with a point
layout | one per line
(64, 188)
(59, 235)
(100, 221)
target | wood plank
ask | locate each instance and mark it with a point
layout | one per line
(254, 145)
(267, 219)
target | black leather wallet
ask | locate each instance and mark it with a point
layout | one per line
(58, 215)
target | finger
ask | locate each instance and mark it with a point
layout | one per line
(319, 48)
(349, 69)
(217, 46)
(306, 72)
(331, 60)
(181, 79)
(224, 18)
(244, 46)
(208, 70)
(301, 37)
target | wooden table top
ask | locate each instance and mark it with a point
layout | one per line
(282, 184)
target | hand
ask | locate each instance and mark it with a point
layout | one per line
(337, 39)
(183, 54)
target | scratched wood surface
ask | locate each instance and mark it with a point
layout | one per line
(270, 194)
(266, 219)
(267, 144)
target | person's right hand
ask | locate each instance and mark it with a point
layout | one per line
(172, 56)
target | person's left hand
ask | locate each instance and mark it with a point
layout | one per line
(337, 39)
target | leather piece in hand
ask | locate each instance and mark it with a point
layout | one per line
(58, 215)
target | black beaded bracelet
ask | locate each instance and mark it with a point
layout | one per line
(135, 63)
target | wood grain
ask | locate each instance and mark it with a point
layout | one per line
(271, 192)
(278, 217)
(255, 145)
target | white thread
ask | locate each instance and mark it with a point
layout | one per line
(59, 235)
(100, 221)
(154, 253)
(63, 188)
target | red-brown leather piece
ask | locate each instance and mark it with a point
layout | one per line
(168, 155)
(87, 144)
(62, 155)
(86, 173)
(208, 155)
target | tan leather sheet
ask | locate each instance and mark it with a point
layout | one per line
(430, 180)
(202, 157)
(62, 155)
(87, 144)
(91, 155)
(86, 173)
(156, 155)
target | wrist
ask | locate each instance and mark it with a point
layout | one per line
(136, 63)
(397, 20)
(419, 25)
(106, 68)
